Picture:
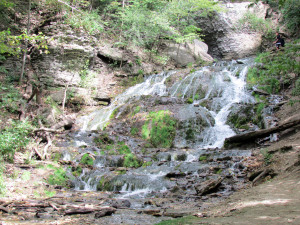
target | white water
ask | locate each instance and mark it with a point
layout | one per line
(221, 84)
(223, 89)
(233, 92)
(154, 85)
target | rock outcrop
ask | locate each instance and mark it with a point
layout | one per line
(192, 52)
(226, 37)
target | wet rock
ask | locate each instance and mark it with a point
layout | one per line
(181, 157)
(126, 203)
(105, 212)
(175, 174)
(208, 186)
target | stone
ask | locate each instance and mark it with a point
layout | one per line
(188, 53)
(208, 186)
(224, 38)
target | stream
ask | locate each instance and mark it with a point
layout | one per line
(186, 177)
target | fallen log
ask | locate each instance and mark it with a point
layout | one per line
(241, 139)
(3, 209)
(85, 210)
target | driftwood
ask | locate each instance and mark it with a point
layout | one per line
(84, 210)
(262, 175)
(3, 209)
(240, 139)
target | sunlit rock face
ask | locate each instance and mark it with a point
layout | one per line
(226, 36)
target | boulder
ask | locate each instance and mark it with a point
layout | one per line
(208, 186)
(224, 34)
(184, 54)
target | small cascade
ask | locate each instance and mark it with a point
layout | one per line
(154, 85)
(214, 91)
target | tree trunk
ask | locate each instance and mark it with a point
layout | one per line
(26, 44)
(241, 139)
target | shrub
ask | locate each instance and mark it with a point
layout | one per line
(291, 12)
(274, 68)
(254, 23)
(14, 137)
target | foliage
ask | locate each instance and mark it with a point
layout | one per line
(274, 68)
(267, 156)
(134, 131)
(291, 12)
(2, 183)
(26, 176)
(296, 90)
(13, 137)
(145, 22)
(50, 194)
(159, 129)
(89, 21)
(87, 159)
(255, 23)
(58, 177)
(10, 98)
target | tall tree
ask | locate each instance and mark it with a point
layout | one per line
(26, 43)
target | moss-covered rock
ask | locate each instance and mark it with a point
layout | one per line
(87, 160)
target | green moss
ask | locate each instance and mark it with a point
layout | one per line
(181, 157)
(136, 110)
(58, 177)
(122, 148)
(190, 135)
(159, 129)
(145, 164)
(134, 131)
(104, 184)
(103, 139)
(113, 114)
(189, 101)
(87, 159)
(76, 171)
(56, 156)
(203, 158)
(131, 160)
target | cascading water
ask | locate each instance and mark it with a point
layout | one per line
(154, 85)
(214, 91)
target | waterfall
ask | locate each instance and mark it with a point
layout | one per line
(223, 83)
(214, 91)
(154, 85)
